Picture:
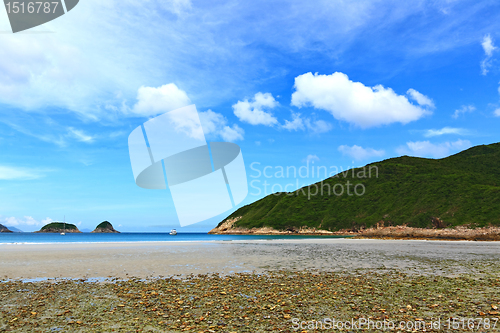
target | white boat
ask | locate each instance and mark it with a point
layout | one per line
(64, 230)
(173, 232)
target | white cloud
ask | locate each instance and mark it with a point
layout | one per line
(428, 149)
(178, 7)
(299, 123)
(253, 112)
(153, 101)
(211, 121)
(232, 133)
(83, 67)
(488, 48)
(16, 173)
(215, 124)
(311, 158)
(353, 101)
(497, 112)
(80, 135)
(359, 153)
(445, 130)
(47, 220)
(295, 124)
(45, 132)
(421, 99)
(464, 109)
(318, 126)
(13, 221)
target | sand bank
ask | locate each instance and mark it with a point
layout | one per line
(146, 259)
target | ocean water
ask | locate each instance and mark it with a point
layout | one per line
(41, 238)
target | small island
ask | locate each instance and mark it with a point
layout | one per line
(105, 227)
(57, 227)
(4, 229)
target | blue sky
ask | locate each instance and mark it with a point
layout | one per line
(329, 83)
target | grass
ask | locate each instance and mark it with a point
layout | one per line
(463, 189)
(104, 225)
(59, 225)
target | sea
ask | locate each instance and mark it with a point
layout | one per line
(48, 238)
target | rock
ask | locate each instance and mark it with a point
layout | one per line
(227, 227)
(4, 229)
(105, 227)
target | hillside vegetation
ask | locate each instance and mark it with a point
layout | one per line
(463, 189)
(105, 227)
(59, 227)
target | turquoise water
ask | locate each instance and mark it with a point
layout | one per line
(40, 238)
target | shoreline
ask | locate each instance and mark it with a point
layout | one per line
(156, 259)
(387, 233)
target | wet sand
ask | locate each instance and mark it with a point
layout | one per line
(306, 281)
(156, 259)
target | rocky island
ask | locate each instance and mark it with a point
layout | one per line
(58, 227)
(4, 229)
(105, 227)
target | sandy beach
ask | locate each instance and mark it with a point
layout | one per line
(293, 285)
(154, 259)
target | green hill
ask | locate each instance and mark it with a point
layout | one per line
(59, 227)
(105, 227)
(463, 189)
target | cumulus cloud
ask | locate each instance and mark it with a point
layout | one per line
(16, 173)
(47, 220)
(299, 123)
(232, 133)
(356, 103)
(464, 109)
(497, 112)
(445, 130)
(153, 101)
(253, 112)
(215, 124)
(318, 126)
(83, 68)
(13, 221)
(428, 149)
(421, 99)
(359, 153)
(295, 124)
(488, 48)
